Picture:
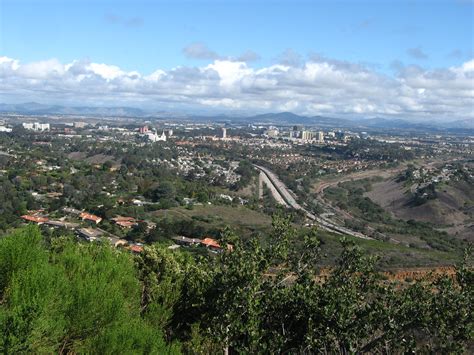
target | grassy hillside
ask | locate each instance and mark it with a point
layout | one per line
(452, 210)
(248, 224)
(373, 219)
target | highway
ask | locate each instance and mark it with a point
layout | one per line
(285, 194)
(263, 179)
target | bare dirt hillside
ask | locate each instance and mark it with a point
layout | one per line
(452, 210)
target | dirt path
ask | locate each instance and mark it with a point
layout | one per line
(385, 173)
(319, 189)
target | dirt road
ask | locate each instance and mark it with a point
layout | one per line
(385, 173)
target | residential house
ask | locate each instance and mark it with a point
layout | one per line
(35, 219)
(125, 222)
(90, 217)
(214, 245)
(90, 234)
(211, 243)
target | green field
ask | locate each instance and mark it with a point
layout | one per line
(240, 219)
(246, 222)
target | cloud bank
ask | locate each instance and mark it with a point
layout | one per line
(319, 86)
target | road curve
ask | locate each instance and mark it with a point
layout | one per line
(288, 196)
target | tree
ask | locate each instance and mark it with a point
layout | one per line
(71, 298)
(252, 297)
(165, 190)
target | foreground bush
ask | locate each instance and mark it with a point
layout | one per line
(72, 298)
(86, 298)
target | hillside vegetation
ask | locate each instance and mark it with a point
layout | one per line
(451, 208)
(61, 296)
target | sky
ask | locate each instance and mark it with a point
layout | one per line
(405, 58)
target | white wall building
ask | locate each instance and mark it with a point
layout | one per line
(5, 129)
(37, 126)
(42, 126)
(154, 137)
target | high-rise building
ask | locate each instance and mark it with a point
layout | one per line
(341, 135)
(296, 131)
(320, 136)
(307, 135)
(224, 133)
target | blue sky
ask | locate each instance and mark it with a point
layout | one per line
(145, 35)
(385, 37)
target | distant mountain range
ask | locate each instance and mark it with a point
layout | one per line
(370, 123)
(33, 108)
(291, 118)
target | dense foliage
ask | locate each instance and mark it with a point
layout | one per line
(70, 298)
(62, 296)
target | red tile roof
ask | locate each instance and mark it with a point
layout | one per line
(90, 217)
(126, 222)
(209, 242)
(34, 219)
(136, 248)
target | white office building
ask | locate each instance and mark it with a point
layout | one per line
(41, 126)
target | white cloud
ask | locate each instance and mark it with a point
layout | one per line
(468, 66)
(8, 63)
(107, 72)
(320, 86)
(42, 69)
(230, 72)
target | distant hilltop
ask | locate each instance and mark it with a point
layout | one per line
(383, 123)
(34, 108)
